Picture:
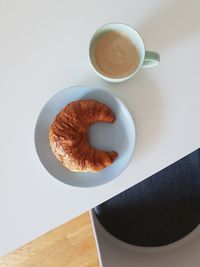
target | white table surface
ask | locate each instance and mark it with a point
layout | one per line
(43, 49)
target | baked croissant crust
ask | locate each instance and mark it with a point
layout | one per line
(68, 136)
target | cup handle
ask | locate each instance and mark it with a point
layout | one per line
(151, 59)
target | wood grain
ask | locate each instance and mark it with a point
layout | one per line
(71, 245)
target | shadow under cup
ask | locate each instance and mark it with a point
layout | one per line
(129, 32)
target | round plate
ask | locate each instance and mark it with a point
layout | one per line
(119, 136)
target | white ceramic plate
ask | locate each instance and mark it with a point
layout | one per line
(119, 136)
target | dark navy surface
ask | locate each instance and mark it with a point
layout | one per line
(159, 210)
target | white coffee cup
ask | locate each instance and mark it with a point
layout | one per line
(147, 59)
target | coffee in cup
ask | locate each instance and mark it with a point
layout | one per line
(115, 55)
(117, 52)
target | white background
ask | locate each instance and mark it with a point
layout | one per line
(43, 49)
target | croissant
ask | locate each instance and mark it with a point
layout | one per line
(68, 136)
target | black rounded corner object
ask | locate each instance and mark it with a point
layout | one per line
(159, 210)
